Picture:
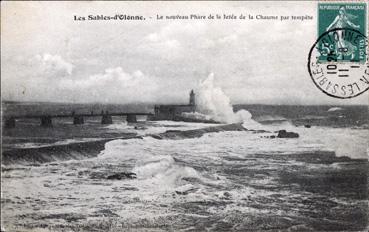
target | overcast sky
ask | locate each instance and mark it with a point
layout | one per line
(47, 56)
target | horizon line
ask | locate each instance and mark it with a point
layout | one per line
(158, 103)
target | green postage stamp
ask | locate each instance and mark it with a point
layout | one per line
(338, 60)
(346, 24)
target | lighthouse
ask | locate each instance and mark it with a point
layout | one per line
(175, 112)
(192, 98)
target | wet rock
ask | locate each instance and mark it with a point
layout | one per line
(122, 175)
(156, 136)
(258, 131)
(287, 134)
(70, 174)
(169, 131)
(269, 136)
(125, 188)
(227, 195)
(140, 128)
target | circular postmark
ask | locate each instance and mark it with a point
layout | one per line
(338, 63)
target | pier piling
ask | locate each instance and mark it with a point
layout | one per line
(131, 118)
(106, 119)
(46, 119)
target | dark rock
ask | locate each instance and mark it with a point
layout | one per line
(122, 175)
(259, 131)
(307, 126)
(286, 134)
(196, 133)
(168, 131)
(156, 136)
(227, 194)
(140, 128)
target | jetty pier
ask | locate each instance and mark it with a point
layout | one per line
(46, 119)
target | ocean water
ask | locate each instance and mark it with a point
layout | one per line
(223, 181)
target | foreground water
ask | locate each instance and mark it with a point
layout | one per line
(231, 180)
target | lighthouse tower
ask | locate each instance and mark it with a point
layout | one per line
(192, 98)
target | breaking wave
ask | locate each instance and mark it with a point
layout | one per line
(213, 103)
(83, 150)
(52, 153)
(160, 171)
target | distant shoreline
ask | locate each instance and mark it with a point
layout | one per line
(169, 103)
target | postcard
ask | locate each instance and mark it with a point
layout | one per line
(184, 116)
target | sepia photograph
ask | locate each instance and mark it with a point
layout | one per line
(184, 116)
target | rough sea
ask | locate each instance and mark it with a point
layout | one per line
(237, 178)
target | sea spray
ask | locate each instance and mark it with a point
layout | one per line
(152, 167)
(245, 117)
(213, 102)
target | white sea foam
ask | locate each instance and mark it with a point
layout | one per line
(156, 127)
(119, 126)
(172, 174)
(333, 109)
(276, 118)
(213, 103)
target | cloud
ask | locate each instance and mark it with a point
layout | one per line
(254, 61)
(161, 45)
(53, 65)
(114, 86)
(228, 39)
(51, 78)
(174, 40)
